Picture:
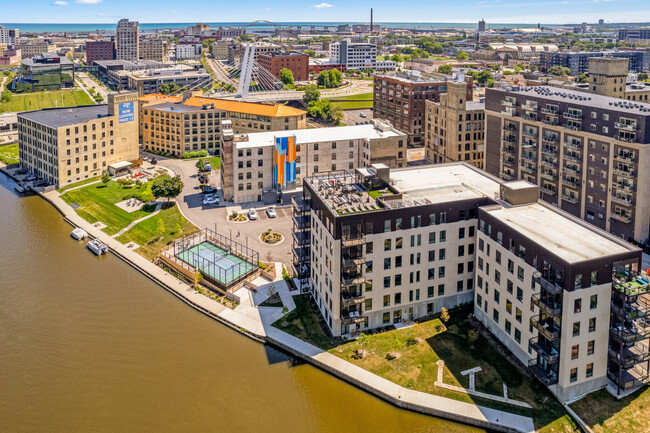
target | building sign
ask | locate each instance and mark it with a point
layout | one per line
(126, 112)
(284, 161)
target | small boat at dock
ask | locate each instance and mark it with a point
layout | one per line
(97, 247)
(79, 234)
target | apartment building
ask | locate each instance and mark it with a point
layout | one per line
(99, 50)
(219, 49)
(188, 51)
(455, 127)
(8, 36)
(400, 99)
(178, 124)
(634, 35)
(153, 49)
(66, 145)
(10, 57)
(544, 289)
(127, 40)
(297, 63)
(358, 56)
(608, 77)
(585, 152)
(578, 62)
(237, 50)
(542, 281)
(261, 166)
(32, 49)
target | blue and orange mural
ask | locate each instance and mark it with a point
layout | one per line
(284, 161)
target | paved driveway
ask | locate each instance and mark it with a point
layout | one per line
(215, 217)
(351, 117)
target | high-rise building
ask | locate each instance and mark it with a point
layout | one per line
(128, 40)
(153, 49)
(358, 56)
(65, 145)
(8, 36)
(377, 246)
(454, 128)
(585, 151)
(400, 99)
(481, 26)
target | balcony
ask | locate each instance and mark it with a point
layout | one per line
(530, 134)
(623, 187)
(629, 335)
(509, 127)
(301, 238)
(625, 139)
(625, 173)
(352, 241)
(625, 157)
(352, 279)
(300, 205)
(551, 141)
(550, 150)
(629, 356)
(551, 355)
(531, 117)
(551, 288)
(573, 144)
(507, 176)
(512, 113)
(572, 157)
(509, 103)
(629, 379)
(509, 139)
(625, 201)
(550, 331)
(550, 308)
(625, 126)
(509, 161)
(631, 311)
(529, 107)
(547, 377)
(302, 222)
(553, 122)
(551, 111)
(549, 163)
(529, 156)
(571, 198)
(530, 169)
(350, 261)
(571, 183)
(572, 115)
(575, 170)
(572, 127)
(352, 317)
(626, 218)
(547, 191)
(351, 299)
(548, 175)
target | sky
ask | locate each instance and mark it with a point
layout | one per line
(162, 11)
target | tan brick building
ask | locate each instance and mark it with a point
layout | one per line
(454, 127)
(66, 145)
(153, 49)
(179, 124)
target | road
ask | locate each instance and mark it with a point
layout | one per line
(214, 217)
(220, 73)
(352, 117)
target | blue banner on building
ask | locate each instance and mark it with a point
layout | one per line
(126, 112)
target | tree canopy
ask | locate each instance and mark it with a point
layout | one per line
(330, 79)
(286, 76)
(167, 88)
(311, 94)
(462, 55)
(167, 187)
(444, 69)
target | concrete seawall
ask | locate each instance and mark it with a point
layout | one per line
(417, 401)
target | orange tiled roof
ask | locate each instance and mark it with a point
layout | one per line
(275, 110)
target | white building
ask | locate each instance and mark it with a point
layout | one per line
(358, 56)
(187, 51)
(8, 36)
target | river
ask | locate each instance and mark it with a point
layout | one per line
(88, 344)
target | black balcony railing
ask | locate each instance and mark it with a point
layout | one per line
(547, 328)
(546, 376)
(551, 355)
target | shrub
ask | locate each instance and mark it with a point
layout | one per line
(145, 196)
(195, 154)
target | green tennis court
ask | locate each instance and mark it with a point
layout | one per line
(215, 262)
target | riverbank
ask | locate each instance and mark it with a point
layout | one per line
(255, 324)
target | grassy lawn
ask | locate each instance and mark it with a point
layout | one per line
(40, 100)
(363, 100)
(9, 153)
(604, 414)
(154, 233)
(76, 184)
(215, 162)
(421, 346)
(375, 193)
(97, 203)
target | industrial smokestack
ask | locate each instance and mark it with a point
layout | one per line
(371, 28)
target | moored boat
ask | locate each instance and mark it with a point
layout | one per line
(97, 247)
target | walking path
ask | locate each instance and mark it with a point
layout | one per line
(257, 326)
(127, 228)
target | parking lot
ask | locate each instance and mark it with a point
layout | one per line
(352, 117)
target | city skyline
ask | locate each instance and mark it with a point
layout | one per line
(463, 11)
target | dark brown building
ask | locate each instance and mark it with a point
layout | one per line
(585, 151)
(400, 99)
(297, 63)
(99, 50)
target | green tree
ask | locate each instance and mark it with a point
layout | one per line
(106, 177)
(167, 187)
(559, 71)
(582, 78)
(642, 76)
(286, 76)
(444, 69)
(472, 335)
(462, 55)
(533, 68)
(200, 164)
(518, 68)
(310, 53)
(311, 94)
(396, 58)
(444, 315)
(207, 43)
(167, 88)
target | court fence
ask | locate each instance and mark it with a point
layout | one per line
(183, 257)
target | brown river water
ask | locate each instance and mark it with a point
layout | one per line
(88, 344)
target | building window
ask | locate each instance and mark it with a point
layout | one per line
(386, 300)
(590, 369)
(575, 351)
(590, 347)
(576, 329)
(593, 302)
(574, 375)
(508, 326)
(517, 335)
(592, 324)
(495, 315)
(577, 305)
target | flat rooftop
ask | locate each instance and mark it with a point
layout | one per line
(578, 98)
(58, 117)
(315, 135)
(560, 235)
(444, 182)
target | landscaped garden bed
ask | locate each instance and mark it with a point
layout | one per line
(270, 237)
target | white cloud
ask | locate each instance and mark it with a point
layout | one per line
(323, 5)
(88, 2)
(60, 3)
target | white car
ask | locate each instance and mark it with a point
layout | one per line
(252, 214)
(211, 200)
(363, 115)
(271, 212)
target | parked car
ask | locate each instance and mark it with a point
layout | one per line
(363, 115)
(252, 214)
(206, 189)
(211, 199)
(270, 212)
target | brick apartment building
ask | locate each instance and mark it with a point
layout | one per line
(99, 50)
(297, 63)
